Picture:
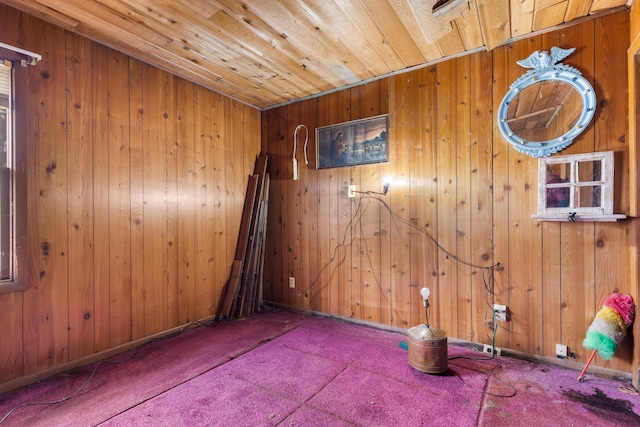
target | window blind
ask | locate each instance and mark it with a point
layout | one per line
(5, 83)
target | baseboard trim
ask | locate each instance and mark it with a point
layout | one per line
(96, 357)
(565, 363)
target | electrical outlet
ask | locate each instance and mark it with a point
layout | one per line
(352, 191)
(500, 312)
(292, 282)
(487, 349)
(561, 350)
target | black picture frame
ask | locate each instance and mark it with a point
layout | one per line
(353, 143)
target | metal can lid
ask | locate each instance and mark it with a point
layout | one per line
(426, 333)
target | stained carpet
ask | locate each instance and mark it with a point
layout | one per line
(285, 369)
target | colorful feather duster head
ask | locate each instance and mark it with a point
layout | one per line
(610, 325)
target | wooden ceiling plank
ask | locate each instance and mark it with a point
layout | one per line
(333, 54)
(469, 28)
(360, 19)
(577, 9)
(189, 34)
(340, 67)
(522, 17)
(101, 11)
(600, 5)
(394, 32)
(451, 43)
(237, 70)
(169, 57)
(494, 22)
(284, 65)
(115, 37)
(543, 4)
(204, 8)
(43, 12)
(182, 27)
(429, 50)
(264, 31)
(274, 40)
(336, 24)
(549, 16)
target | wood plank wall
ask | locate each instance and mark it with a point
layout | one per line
(459, 181)
(136, 182)
(633, 64)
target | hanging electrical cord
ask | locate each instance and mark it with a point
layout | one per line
(487, 271)
(373, 195)
(433, 239)
(335, 250)
(54, 402)
(295, 146)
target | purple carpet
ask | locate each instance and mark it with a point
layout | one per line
(281, 368)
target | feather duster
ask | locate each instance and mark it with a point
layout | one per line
(609, 327)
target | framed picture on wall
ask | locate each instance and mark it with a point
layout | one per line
(353, 143)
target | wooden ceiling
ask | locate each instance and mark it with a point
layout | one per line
(269, 52)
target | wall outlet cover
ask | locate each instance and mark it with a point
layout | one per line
(487, 349)
(561, 350)
(500, 312)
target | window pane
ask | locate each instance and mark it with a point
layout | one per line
(6, 139)
(558, 197)
(590, 171)
(589, 196)
(559, 172)
(4, 136)
(5, 225)
(5, 116)
(558, 185)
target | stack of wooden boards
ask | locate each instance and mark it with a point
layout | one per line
(242, 294)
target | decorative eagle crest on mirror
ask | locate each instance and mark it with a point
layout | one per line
(546, 108)
(543, 60)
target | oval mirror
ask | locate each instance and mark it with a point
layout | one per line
(548, 107)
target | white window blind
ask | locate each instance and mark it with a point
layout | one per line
(5, 83)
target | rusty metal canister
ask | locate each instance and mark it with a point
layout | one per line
(428, 349)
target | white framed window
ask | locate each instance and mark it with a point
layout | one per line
(576, 187)
(14, 234)
(7, 220)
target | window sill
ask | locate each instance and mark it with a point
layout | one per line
(7, 287)
(580, 217)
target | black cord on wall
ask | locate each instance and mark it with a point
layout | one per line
(487, 271)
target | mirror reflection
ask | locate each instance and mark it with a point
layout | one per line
(544, 111)
(558, 185)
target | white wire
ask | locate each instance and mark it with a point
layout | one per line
(295, 143)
